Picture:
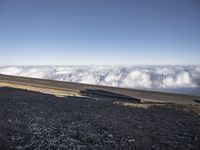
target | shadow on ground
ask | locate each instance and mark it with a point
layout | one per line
(32, 120)
(102, 94)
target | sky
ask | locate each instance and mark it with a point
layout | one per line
(99, 32)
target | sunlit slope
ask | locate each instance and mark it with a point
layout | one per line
(69, 88)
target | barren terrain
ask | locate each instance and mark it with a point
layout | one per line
(33, 120)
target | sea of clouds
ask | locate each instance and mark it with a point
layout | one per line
(176, 79)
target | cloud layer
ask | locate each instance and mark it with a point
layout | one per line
(178, 79)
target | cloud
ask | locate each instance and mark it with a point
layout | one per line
(181, 79)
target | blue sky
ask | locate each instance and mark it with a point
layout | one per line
(92, 32)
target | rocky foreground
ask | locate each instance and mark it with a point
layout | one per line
(31, 120)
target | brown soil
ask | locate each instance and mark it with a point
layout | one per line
(32, 120)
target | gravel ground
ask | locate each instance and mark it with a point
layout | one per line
(31, 120)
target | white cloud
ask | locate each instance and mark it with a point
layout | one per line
(175, 78)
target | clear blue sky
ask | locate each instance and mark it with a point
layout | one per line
(91, 32)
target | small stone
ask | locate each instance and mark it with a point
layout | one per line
(131, 140)
(110, 135)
